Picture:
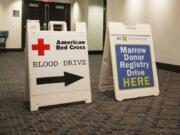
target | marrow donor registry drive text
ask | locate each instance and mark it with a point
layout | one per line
(134, 66)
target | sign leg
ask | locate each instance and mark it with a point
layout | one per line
(34, 107)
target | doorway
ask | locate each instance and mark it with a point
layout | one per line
(44, 12)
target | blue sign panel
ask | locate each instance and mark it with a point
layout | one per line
(134, 66)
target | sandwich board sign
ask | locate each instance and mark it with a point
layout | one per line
(128, 62)
(57, 67)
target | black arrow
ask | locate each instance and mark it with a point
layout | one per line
(68, 79)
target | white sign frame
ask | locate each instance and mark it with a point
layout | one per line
(57, 93)
(106, 83)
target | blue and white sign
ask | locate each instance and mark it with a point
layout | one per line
(129, 64)
(134, 66)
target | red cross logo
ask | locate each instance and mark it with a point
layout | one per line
(41, 47)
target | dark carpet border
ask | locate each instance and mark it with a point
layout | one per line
(12, 50)
(169, 67)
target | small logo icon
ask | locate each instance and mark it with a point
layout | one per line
(40, 47)
(124, 38)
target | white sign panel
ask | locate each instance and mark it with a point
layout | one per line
(133, 61)
(58, 67)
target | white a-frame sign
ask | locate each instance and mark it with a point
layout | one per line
(128, 62)
(57, 65)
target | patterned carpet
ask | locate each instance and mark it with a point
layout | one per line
(105, 116)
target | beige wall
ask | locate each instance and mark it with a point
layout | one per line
(8, 22)
(95, 25)
(162, 15)
(79, 12)
(91, 12)
(1, 15)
